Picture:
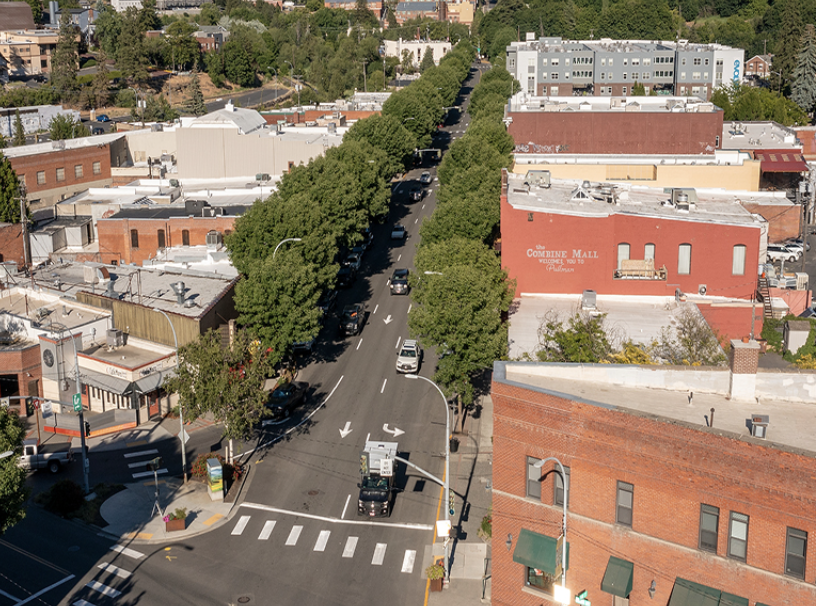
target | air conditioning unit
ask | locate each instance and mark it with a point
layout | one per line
(759, 426)
(214, 239)
(208, 211)
(114, 337)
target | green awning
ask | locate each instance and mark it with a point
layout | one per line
(617, 579)
(688, 593)
(760, 604)
(537, 551)
(729, 599)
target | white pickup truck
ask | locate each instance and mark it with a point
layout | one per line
(40, 456)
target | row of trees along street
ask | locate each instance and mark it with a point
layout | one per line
(327, 204)
(460, 289)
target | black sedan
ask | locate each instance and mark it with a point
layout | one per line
(353, 319)
(285, 398)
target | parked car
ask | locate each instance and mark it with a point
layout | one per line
(780, 252)
(285, 398)
(41, 456)
(353, 319)
(97, 130)
(796, 244)
(398, 232)
(409, 357)
(368, 238)
(353, 260)
(425, 178)
(326, 303)
(303, 348)
(399, 282)
(415, 194)
(359, 251)
(346, 276)
(103, 118)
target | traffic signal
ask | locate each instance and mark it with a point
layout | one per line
(87, 429)
(451, 504)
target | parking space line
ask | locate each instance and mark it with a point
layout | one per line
(343, 515)
(9, 596)
(398, 343)
(399, 257)
(351, 545)
(360, 342)
(376, 307)
(379, 554)
(383, 387)
(409, 307)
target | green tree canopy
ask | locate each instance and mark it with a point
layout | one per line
(64, 126)
(427, 61)
(803, 90)
(386, 133)
(64, 63)
(19, 130)
(9, 192)
(13, 492)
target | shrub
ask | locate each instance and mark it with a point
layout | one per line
(179, 514)
(435, 571)
(64, 498)
(485, 531)
(232, 473)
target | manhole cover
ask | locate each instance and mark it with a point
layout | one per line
(244, 599)
(73, 548)
(313, 492)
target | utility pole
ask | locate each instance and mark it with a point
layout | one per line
(24, 222)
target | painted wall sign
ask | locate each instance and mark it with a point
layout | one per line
(561, 261)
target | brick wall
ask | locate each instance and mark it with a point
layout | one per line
(22, 364)
(783, 221)
(11, 243)
(674, 469)
(67, 159)
(115, 239)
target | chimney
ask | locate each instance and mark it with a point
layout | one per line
(743, 362)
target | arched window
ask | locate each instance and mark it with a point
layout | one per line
(160, 236)
(134, 238)
(684, 260)
(185, 237)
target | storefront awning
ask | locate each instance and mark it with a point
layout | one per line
(537, 551)
(152, 382)
(688, 593)
(781, 161)
(104, 382)
(729, 599)
(617, 579)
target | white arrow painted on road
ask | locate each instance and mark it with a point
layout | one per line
(346, 430)
(388, 319)
(395, 432)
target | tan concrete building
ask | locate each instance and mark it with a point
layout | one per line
(28, 52)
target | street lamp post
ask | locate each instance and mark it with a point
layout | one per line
(565, 479)
(275, 252)
(78, 384)
(181, 407)
(447, 465)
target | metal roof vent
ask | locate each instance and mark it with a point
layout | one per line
(759, 426)
(178, 288)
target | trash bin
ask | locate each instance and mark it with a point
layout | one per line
(454, 445)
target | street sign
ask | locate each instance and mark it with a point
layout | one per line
(581, 598)
(77, 401)
(559, 556)
(386, 467)
(46, 408)
(184, 436)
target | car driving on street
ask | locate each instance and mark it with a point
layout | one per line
(425, 178)
(398, 232)
(351, 323)
(285, 398)
(399, 282)
(409, 357)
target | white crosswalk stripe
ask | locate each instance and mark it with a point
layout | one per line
(119, 572)
(144, 474)
(242, 523)
(379, 554)
(103, 589)
(141, 453)
(82, 603)
(127, 551)
(408, 561)
(294, 534)
(351, 545)
(322, 540)
(269, 526)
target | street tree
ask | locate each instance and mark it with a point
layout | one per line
(64, 126)
(13, 492)
(9, 192)
(19, 130)
(803, 90)
(468, 153)
(427, 61)
(475, 216)
(227, 382)
(788, 44)
(64, 63)
(131, 55)
(386, 133)
(493, 132)
(197, 106)
(183, 48)
(582, 339)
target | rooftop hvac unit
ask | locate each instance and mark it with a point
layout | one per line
(262, 177)
(174, 183)
(193, 207)
(208, 211)
(538, 178)
(681, 201)
(801, 280)
(759, 426)
(114, 338)
(95, 274)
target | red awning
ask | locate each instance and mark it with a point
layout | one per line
(781, 161)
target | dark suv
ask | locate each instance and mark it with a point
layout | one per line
(353, 319)
(346, 276)
(399, 282)
(286, 398)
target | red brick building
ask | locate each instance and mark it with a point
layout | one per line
(758, 66)
(643, 125)
(671, 499)
(21, 372)
(11, 244)
(135, 235)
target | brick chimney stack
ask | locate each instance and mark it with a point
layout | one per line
(743, 362)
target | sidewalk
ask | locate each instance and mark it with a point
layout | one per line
(130, 514)
(471, 478)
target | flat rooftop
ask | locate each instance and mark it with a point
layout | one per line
(24, 303)
(577, 198)
(143, 286)
(718, 158)
(130, 356)
(790, 421)
(628, 318)
(56, 146)
(193, 259)
(759, 135)
(524, 102)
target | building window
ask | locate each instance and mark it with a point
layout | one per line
(625, 90)
(97, 168)
(533, 479)
(626, 493)
(648, 252)
(160, 235)
(185, 237)
(134, 238)
(697, 61)
(709, 527)
(60, 174)
(738, 536)
(684, 260)
(558, 497)
(738, 265)
(795, 553)
(78, 171)
(539, 579)
(717, 141)
(40, 177)
(623, 253)
(553, 91)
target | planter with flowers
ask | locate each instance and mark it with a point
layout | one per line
(435, 573)
(176, 520)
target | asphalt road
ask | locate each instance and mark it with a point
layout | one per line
(297, 538)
